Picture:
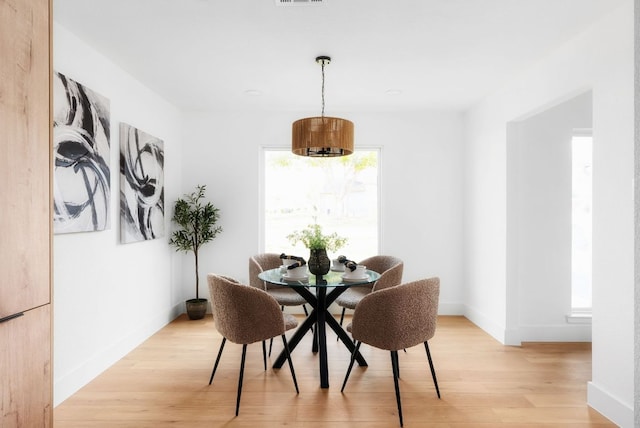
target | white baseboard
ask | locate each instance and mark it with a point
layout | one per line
(609, 406)
(445, 308)
(70, 383)
(530, 333)
(498, 332)
(555, 333)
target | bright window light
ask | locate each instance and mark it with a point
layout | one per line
(581, 232)
(340, 194)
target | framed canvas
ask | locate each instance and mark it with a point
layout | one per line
(141, 185)
(81, 151)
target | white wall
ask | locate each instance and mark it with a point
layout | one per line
(109, 297)
(602, 59)
(539, 222)
(421, 187)
(637, 210)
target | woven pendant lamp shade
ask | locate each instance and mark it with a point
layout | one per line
(322, 136)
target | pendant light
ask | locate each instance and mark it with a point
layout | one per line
(322, 136)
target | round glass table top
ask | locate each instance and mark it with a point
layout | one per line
(331, 279)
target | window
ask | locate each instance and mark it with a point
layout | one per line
(340, 194)
(581, 234)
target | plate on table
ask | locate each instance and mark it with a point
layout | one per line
(346, 278)
(303, 278)
(337, 269)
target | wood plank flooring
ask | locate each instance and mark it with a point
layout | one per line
(164, 383)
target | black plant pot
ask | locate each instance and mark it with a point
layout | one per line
(319, 263)
(196, 308)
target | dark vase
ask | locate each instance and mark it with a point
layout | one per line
(319, 263)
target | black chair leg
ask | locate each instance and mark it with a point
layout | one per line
(264, 354)
(306, 313)
(396, 373)
(215, 366)
(271, 340)
(353, 359)
(244, 354)
(433, 371)
(395, 355)
(293, 373)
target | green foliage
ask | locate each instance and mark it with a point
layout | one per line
(361, 162)
(197, 224)
(313, 238)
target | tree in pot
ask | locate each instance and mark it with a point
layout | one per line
(197, 221)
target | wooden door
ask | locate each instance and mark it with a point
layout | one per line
(25, 214)
(25, 370)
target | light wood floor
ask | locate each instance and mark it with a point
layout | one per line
(164, 382)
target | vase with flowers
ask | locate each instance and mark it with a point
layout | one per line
(318, 243)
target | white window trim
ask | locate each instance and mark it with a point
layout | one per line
(579, 317)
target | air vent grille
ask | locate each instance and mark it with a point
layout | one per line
(300, 2)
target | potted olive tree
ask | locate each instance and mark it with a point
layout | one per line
(197, 226)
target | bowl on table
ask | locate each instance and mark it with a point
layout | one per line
(296, 274)
(337, 266)
(359, 273)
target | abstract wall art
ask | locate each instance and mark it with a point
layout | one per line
(141, 185)
(81, 150)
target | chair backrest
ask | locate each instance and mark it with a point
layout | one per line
(398, 317)
(260, 263)
(244, 314)
(390, 269)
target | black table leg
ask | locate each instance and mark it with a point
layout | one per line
(296, 338)
(321, 294)
(320, 317)
(314, 345)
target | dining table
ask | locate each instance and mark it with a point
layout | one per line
(327, 288)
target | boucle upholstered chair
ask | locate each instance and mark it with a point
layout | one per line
(390, 270)
(285, 296)
(246, 315)
(397, 318)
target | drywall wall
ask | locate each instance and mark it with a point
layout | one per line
(420, 187)
(109, 297)
(600, 59)
(636, 187)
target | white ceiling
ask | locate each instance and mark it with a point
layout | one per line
(443, 54)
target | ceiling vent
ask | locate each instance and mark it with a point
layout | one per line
(300, 2)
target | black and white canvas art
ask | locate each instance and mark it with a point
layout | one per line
(81, 147)
(141, 185)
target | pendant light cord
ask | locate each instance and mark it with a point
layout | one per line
(323, 88)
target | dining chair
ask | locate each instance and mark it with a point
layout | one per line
(244, 315)
(285, 296)
(396, 318)
(390, 270)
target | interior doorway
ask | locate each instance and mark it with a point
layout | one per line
(540, 223)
